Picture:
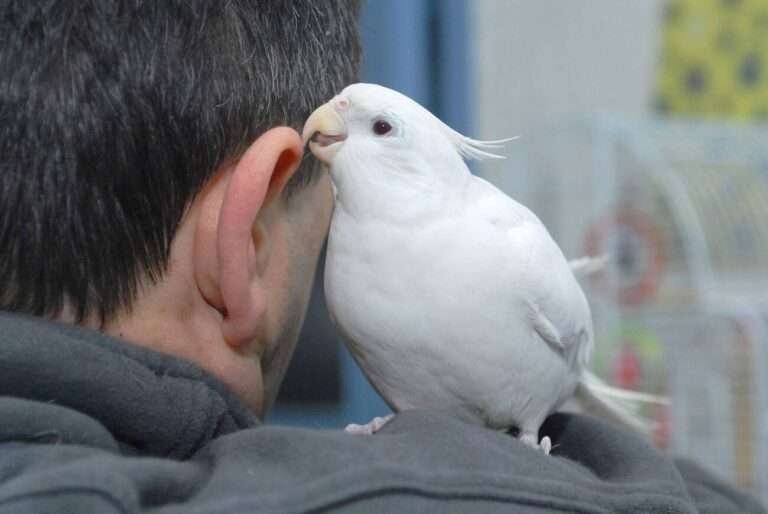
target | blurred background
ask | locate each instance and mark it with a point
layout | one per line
(643, 137)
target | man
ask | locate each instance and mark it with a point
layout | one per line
(159, 230)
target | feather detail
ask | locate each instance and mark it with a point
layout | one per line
(586, 266)
(473, 148)
(618, 405)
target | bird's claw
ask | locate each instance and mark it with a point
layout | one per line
(544, 445)
(369, 428)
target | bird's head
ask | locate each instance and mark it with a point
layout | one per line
(368, 124)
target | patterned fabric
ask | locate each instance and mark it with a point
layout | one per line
(713, 59)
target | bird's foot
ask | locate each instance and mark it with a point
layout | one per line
(369, 428)
(531, 440)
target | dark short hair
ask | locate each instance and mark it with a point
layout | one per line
(114, 114)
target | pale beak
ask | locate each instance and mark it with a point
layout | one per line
(325, 131)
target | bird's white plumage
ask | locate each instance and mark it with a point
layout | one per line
(449, 294)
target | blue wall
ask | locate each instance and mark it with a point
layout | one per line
(420, 47)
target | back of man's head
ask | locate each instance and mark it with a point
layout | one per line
(114, 114)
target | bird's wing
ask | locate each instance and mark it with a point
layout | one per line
(569, 347)
(558, 309)
(575, 347)
(548, 332)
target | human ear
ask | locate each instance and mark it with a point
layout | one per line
(232, 244)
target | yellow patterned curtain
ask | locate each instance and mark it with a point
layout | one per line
(714, 59)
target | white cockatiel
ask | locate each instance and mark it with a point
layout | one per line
(449, 294)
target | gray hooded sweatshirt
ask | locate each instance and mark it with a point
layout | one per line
(90, 424)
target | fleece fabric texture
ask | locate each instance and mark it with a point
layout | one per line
(89, 424)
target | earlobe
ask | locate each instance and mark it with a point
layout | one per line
(242, 241)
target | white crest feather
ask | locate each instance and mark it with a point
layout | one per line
(474, 148)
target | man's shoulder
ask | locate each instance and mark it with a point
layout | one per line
(430, 462)
(419, 462)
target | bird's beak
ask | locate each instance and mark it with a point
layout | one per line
(325, 131)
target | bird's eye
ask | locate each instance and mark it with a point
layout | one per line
(381, 127)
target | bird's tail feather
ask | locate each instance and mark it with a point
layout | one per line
(618, 405)
(586, 266)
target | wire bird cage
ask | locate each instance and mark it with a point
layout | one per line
(681, 209)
